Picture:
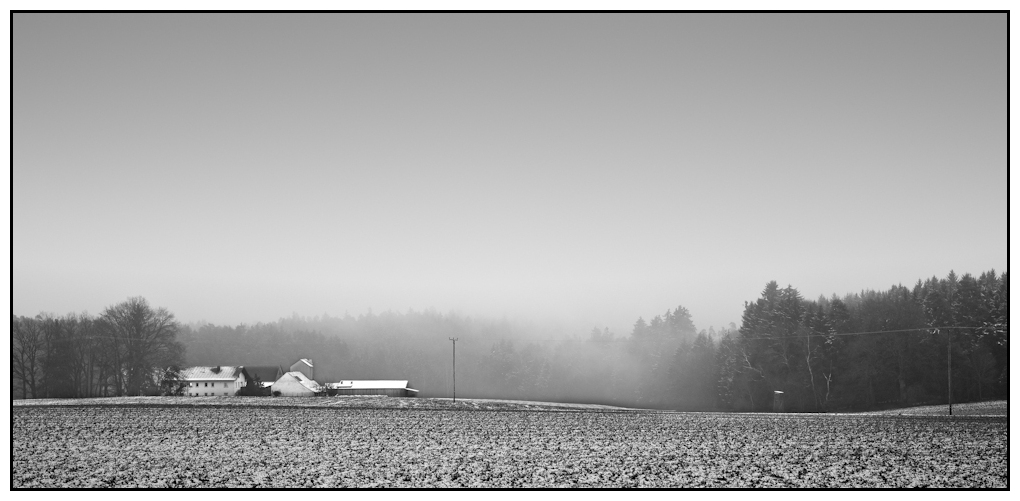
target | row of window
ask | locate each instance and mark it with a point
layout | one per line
(206, 394)
(225, 385)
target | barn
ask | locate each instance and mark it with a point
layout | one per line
(296, 384)
(390, 388)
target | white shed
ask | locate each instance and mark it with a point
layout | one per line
(296, 384)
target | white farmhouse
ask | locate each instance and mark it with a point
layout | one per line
(220, 381)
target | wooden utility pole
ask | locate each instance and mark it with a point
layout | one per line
(454, 368)
(949, 366)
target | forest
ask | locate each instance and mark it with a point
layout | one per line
(866, 350)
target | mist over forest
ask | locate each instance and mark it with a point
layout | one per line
(811, 350)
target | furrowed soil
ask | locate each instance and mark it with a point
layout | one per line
(992, 408)
(399, 443)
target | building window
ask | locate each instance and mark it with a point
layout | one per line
(207, 385)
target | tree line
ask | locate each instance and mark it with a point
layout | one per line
(129, 349)
(894, 347)
(860, 351)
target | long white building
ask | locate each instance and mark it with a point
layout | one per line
(390, 388)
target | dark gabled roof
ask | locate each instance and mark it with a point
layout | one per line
(265, 373)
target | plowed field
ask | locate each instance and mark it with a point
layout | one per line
(244, 446)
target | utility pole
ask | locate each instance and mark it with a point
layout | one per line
(949, 366)
(454, 368)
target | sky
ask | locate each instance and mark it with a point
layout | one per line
(580, 169)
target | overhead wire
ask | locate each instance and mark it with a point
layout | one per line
(800, 336)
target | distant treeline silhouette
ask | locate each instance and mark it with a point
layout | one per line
(857, 352)
(126, 350)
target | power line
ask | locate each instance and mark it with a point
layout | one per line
(814, 334)
(874, 332)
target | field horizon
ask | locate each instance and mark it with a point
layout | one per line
(984, 408)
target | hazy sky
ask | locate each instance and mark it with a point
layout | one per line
(588, 168)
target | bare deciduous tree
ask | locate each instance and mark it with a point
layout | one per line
(26, 355)
(148, 341)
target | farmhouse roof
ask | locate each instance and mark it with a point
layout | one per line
(225, 373)
(307, 362)
(369, 384)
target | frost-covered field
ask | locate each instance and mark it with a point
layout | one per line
(380, 442)
(993, 408)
